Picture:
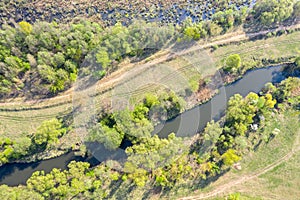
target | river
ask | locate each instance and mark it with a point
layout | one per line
(186, 124)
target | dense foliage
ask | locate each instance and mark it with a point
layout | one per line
(138, 123)
(233, 63)
(221, 22)
(46, 135)
(268, 12)
(45, 58)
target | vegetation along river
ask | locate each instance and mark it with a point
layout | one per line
(184, 125)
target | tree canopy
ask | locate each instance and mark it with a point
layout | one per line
(233, 63)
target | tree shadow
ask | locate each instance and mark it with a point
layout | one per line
(120, 190)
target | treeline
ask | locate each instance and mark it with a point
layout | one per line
(220, 23)
(265, 13)
(165, 163)
(45, 58)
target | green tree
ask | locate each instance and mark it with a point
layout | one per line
(211, 134)
(233, 63)
(192, 33)
(109, 137)
(103, 58)
(239, 115)
(152, 152)
(151, 100)
(214, 29)
(8, 193)
(25, 27)
(134, 124)
(296, 12)
(22, 146)
(230, 157)
(49, 132)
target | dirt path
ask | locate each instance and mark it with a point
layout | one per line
(136, 68)
(222, 189)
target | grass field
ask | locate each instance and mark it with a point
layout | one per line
(281, 182)
(176, 74)
(270, 172)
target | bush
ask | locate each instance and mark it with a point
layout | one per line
(233, 63)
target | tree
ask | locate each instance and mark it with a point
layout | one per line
(233, 63)
(211, 135)
(18, 193)
(46, 72)
(239, 114)
(214, 29)
(49, 132)
(25, 27)
(109, 137)
(22, 146)
(296, 12)
(286, 88)
(230, 157)
(103, 58)
(151, 100)
(58, 60)
(135, 124)
(153, 152)
(192, 33)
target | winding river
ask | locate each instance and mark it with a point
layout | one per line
(184, 125)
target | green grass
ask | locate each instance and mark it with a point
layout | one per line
(282, 181)
(282, 144)
(271, 48)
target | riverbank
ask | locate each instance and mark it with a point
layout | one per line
(192, 102)
(23, 118)
(188, 124)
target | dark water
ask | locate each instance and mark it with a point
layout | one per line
(194, 120)
(186, 124)
(17, 173)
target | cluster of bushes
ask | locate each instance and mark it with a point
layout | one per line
(46, 135)
(264, 12)
(221, 22)
(268, 12)
(138, 123)
(76, 181)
